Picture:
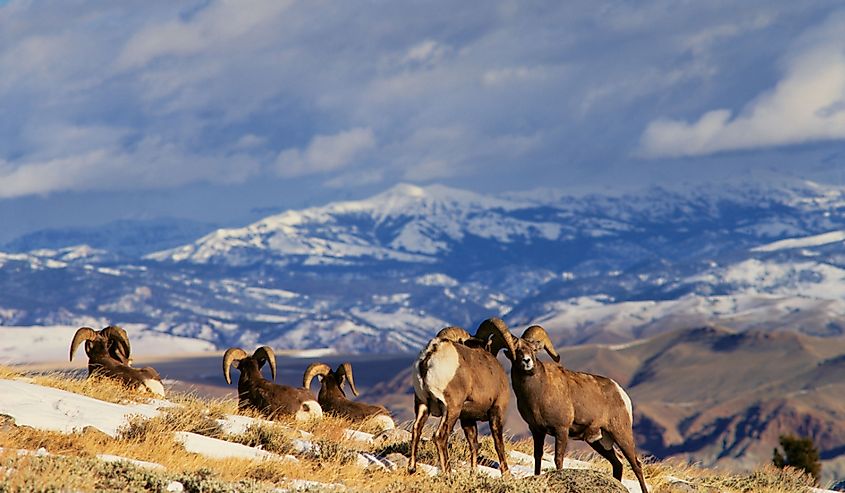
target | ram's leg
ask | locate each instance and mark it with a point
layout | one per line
(441, 436)
(497, 430)
(561, 436)
(471, 432)
(625, 441)
(416, 432)
(539, 437)
(608, 453)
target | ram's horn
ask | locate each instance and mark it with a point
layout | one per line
(83, 334)
(345, 370)
(454, 334)
(502, 337)
(539, 334)
(265, 353)
(313, 370)
(117, 336)
(229, 356)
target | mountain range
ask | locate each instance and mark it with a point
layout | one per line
(383, 274)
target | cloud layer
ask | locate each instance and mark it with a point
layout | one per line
(168, 95)
(807, 104)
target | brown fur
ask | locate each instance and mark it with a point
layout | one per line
(271, 400)
(568, 404)
(333, 399)
(103, 353)
(478, 391)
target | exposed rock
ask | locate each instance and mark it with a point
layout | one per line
(579, 481)
(400, 460)
(6, 422)
(90, 431)
(391, 437)
(175, 487)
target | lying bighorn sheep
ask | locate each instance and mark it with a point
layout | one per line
(255, 392)
(457, 378)
(333, 399)
(565, 403)
(108, 355)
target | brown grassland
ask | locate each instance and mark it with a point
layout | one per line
(72, 463)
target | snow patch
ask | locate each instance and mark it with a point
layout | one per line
(807, 241)
(46, 408)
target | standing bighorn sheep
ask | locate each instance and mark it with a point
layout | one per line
(565, 403)
(333, 399)
(108, 354)
(456, 377)
(255, 392)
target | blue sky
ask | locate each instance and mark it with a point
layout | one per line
(210, 109)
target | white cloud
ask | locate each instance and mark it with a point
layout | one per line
(326, 153)
(150, 164)
(218, 24)
(804, 106)
(425, 52)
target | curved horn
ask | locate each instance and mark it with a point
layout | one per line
(83, 334)
(119, 347)
(454, 334)
(539, 334)
(230, 355)
(345, 370)
(265, 353)
(312, 371)
(501, 335)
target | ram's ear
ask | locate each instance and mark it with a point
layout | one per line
(536, 345)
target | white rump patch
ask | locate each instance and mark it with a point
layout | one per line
(154, 386)
(419, 387)
(442, 366)
(626, 400)
(309, 410)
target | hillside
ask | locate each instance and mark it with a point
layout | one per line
(711, 395)
(92, 435)
(384, 273)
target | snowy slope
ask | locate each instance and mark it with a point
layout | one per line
(404, 224)
(46, 408)
(38, 344)
(385, 273)
(809, 241)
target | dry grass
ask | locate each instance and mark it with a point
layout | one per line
(72, 465)
(104, 389)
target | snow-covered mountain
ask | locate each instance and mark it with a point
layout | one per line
(385, 273)
(406, 224)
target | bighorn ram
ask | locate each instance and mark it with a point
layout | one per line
(565, 403)
(333, 399)
(108, 354)
(456, 377)
(255, 392)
